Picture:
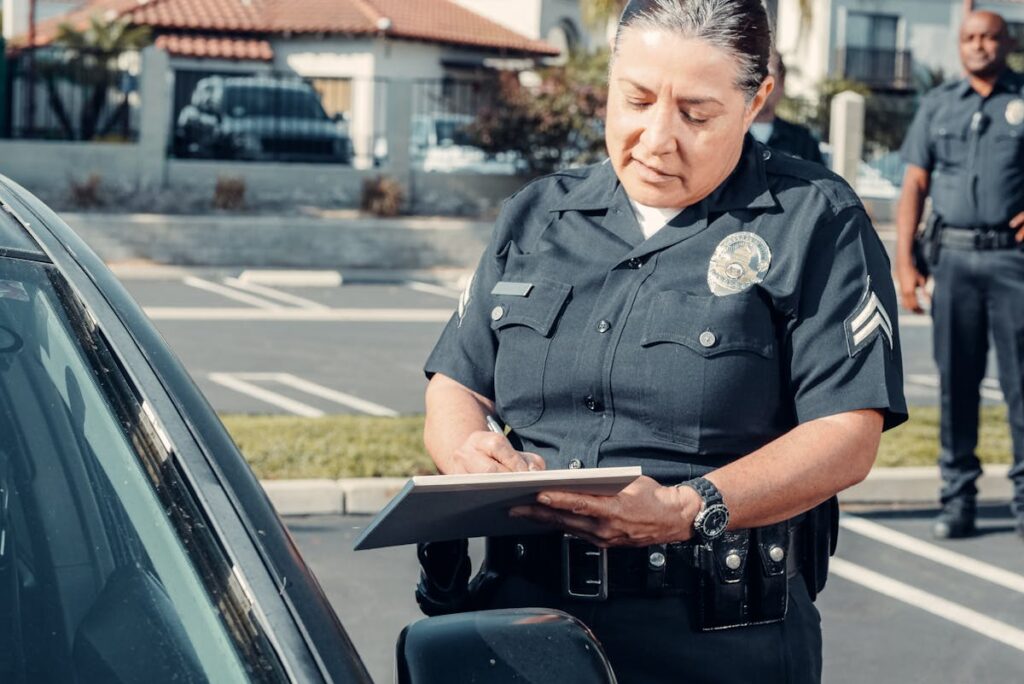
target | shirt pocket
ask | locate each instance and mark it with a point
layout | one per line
(950, 145)
(524, 326)
(710, 378)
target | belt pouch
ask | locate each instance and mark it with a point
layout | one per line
(819, 532)
(723, 600)
(767, 573)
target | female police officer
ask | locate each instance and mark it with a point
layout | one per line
(720, 315)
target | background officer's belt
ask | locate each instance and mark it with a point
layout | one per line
(980, 238)
(539, 558)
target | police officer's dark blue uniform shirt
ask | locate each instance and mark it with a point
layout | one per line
(765, 305)
(974, 149)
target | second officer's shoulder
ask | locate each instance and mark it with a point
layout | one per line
(795, 181)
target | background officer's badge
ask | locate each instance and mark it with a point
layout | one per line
(868, 321)
(740, 260)
(1015, 112)
(465, 297)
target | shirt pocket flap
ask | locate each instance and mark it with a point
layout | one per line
(539, 310)
(711, 325)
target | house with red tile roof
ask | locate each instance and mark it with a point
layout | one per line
(354, 44)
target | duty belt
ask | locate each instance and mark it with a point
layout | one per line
(582, 571)
(984, 238)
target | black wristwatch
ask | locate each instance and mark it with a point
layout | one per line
(713, 517)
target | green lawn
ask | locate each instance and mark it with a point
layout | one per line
(280, 447)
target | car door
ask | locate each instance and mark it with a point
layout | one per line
(135, 543)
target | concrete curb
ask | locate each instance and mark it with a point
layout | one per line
(368, 495)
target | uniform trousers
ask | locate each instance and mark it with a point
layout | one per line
(654, 639)
(978, 294)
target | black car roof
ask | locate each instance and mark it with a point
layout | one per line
(14, 237)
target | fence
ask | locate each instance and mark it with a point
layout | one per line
(65, 94)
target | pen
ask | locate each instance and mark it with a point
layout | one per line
(494, 426)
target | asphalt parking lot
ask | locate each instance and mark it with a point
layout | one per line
(898, 608)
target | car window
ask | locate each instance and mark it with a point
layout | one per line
(272, 100)
(97, 580)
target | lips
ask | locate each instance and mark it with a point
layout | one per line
(650, 173)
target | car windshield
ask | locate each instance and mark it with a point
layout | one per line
(272, 100)
(452, 132)
(96, 583)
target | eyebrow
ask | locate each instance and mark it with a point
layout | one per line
(693, 101)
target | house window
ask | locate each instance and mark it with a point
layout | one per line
(871, 31)
(871, 54)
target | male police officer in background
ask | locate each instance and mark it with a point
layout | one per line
(965, 148)
(780, 134)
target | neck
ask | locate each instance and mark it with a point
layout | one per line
(765, 116)
(984, 84)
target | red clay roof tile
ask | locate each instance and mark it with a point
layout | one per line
(440, 21)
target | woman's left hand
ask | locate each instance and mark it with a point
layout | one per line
(642, 514)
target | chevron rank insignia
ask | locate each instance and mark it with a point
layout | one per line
(868, 321)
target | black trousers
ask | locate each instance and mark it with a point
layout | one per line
(978, 294)
(654, 639)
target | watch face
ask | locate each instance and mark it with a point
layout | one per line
(716, 519)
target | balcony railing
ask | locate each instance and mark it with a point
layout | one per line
(879, 69)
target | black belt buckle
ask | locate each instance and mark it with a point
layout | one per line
(984, 239)
(584, 569)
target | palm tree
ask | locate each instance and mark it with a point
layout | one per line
(88, 59)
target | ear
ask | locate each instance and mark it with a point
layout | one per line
(767, 86)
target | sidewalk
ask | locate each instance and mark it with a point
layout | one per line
(367, 496)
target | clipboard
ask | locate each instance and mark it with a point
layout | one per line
(441, 507)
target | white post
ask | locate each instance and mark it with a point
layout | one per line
(155, 123)
(846, 135)
(399, 132)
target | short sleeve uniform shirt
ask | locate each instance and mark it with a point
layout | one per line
(766, 305)
(973, 147)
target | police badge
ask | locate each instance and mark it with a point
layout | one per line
(740, 261)
(1015, 112)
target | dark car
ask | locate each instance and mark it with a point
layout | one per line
(135, 543)
(260, 118)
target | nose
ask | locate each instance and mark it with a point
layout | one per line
(659, 135)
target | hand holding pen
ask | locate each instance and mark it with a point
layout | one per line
(491, 452)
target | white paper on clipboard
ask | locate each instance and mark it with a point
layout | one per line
(440, 507)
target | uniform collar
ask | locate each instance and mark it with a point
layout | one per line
(745, 188)
(1008, 81)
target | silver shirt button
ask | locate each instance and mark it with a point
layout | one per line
(708, 339)
(766, 155)
(657, 559)
(575, 464)
(604, 326)
(776, 553)
(497, 312)
(733, 561)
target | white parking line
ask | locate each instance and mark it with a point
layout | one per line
(216, 288)
(928, 602)
(917, 547)
(245, 383)
(273, 312)
(989, 386)
(271, 293)
(273, 398)
(322, 392)
(433, 289)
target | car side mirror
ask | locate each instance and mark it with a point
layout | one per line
(527, 645)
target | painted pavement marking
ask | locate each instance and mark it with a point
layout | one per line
(273, 312)
(230, 293)
(246, 383)
(933, 552)
(928, 602)
(271, 293)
